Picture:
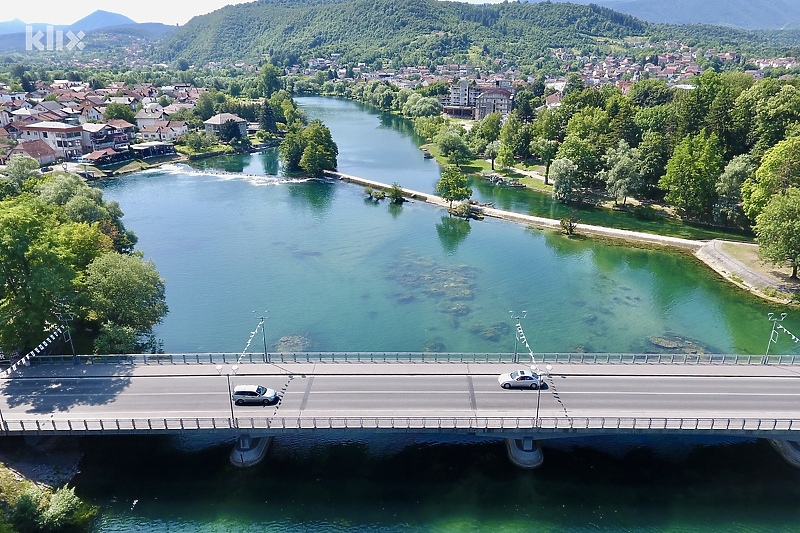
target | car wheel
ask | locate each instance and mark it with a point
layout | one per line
(266, 402)
(534, 386)
(239, 402)
(506, 385)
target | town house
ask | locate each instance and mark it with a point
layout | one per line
(64, 139)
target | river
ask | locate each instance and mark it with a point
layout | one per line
(236, 239)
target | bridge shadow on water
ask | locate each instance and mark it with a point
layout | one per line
(61, 388)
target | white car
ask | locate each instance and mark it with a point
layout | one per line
(254, 395)
(520, 379)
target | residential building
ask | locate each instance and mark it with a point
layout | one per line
(148, 115)
(96, 136)
(214, 124)
(494, 100)
(164, 130)
(64, 139)
(37, 149)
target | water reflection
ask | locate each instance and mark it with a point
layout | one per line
(315, 194)
(452, 231)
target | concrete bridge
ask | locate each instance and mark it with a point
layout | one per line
(584, 395)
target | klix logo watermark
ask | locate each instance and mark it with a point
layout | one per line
(53, 39)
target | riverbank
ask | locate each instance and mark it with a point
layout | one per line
(737, 263)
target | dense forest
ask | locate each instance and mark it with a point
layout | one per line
(419, 32)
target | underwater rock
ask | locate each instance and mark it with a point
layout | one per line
(293, 343)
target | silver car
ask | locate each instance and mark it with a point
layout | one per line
(253, 395)
(520, 379)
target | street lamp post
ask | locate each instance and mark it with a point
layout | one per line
(539, 391)
(518, 327)
(65, 318)
(234, 369)
(264, 337)
(773, 336)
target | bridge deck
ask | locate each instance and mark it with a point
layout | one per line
(762, 400)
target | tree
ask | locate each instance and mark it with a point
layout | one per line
(452, 186)
(778, 230)
(125, 291)
(396, 195)
(452, 146)
(20, 168)
(269, 82)
(565, 180)
(728, 209)
(505, 156)
(692, 174)
(34, 275)
(266, 120)
(492, 150)
(583, 154)
(779, 170)
(320, 152)
(291, 149)
(545, 150)
(622, 177)
(119, 112)
(229, 131)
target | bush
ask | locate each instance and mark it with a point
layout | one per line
(37, 510)
(25, 513)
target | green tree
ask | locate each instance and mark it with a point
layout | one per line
(291, 149)
(266, 119)
(120, 111)
(452, 146)
(229, 131)
(583, 154)
(505, 156)
(34, 271)
(545, 150)
(779, 170)
(492, 151)
(396, 195)
(319, 152)
(728, 209)
(566, 178)
(778, 230)
(452, 186)
(125, 290)
(622, 177)
(19, 170)
(269, 81)
(692, 174)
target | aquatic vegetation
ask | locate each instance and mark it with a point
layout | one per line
(293, 343)
(491, 332)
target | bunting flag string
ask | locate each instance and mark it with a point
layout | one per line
(521, 336)
(792, 335)
(36, 351)
(250, 340)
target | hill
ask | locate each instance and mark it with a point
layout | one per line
(100, 19)
(745, 14)
(408, 31)
(420, 32)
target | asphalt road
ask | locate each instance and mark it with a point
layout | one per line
(403, 390)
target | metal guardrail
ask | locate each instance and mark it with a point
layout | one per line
(573, 425)
(419, 357)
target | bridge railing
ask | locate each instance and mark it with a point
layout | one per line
(488, 425)
(419, 357)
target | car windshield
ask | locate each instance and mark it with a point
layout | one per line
(261, 391)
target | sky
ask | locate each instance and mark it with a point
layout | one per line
(167, 12)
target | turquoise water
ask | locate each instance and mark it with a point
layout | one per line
(236, 238)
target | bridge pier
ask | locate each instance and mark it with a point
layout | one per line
(249, 451)
(788, 449)
(525, 452)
